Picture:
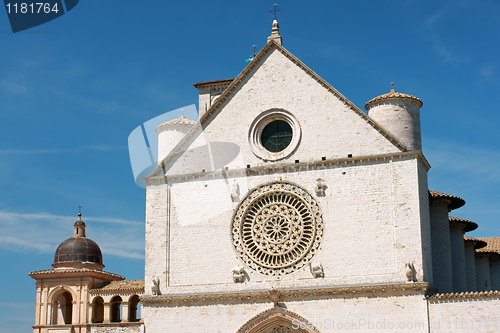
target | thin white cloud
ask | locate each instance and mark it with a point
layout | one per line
(489, 73)
(430, 22)
(16, 305)
(45, 216)
(430, 29)
(34, 151)
(106, 148)
(14, 85)
(122, 253)
(445, 52)
(43, 232)
(60, 150)
(26, 243)
(471, 160)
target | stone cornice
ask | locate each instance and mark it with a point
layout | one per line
(290, 166)
(381, 290)
(80, 272)
(88, 325)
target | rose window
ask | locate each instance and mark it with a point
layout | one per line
(277, 228)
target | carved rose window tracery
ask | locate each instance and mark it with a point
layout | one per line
(277, 228)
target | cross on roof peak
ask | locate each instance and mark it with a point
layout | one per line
(275, 11)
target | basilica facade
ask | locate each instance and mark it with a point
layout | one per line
(286, 208)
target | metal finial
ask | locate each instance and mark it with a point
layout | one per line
(393, 90)
(182, 111)
(275, 11)
(80, 212)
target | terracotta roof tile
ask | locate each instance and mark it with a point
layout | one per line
(474, 294)
(137, 285)
(492, 244)
(181, 121)
(392, 95)
(479, 243)
(456, 202)
(469, 225)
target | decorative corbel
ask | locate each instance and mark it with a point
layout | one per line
(274, 295)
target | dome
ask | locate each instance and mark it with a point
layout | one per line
(78, 251)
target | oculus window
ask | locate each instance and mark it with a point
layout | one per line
(276, 136)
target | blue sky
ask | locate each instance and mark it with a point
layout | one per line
(72, 90)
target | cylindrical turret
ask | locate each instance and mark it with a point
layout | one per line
(170, 133)
(400, 115)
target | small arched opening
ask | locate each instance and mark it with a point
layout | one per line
(98, 310)
(62, 309)
(116, 309)
(134, 308)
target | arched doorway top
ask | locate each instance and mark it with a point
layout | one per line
(277, 320)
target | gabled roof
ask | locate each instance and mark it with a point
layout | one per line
(230, 91)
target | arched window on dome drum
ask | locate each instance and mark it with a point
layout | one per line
(62, 309)
(116, 309)
(134, 309)
(98, 310)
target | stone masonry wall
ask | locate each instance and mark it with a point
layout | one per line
(465, 315)
(372, 227)
(358, 314)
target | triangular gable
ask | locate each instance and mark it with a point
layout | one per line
(232, 89)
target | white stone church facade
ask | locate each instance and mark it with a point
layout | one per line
(285, 208)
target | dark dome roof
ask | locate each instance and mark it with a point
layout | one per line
(78, 249)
